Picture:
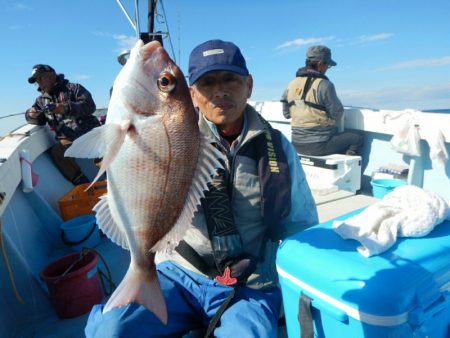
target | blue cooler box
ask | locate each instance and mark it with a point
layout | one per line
(402, 293)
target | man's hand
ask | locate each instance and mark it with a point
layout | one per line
(59, 108)
(33, 113)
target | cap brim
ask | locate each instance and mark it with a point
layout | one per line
(31, 80)
(228, 68)
(332, 63)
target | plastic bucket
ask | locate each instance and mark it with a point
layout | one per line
(382, 186)
(73, 284)
(81, 231)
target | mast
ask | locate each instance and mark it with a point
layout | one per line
(151, 15)
(151, 35)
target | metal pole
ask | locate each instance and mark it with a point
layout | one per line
(151, 16)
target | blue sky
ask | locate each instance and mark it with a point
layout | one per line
(391, 54)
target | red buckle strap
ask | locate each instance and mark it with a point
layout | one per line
(226, 278)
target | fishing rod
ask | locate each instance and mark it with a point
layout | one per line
(11, 115)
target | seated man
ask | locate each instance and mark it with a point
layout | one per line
(68, 109)
(311, 101)
(224, 268)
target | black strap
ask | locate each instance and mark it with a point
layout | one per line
(307, 87)
(316, 106)
(192, 256)
(213, 323)
(308, 84)
(305, 317)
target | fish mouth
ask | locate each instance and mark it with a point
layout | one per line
(155, 49)
(151, 47)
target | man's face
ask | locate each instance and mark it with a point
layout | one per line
(222, 96)
(46, 81)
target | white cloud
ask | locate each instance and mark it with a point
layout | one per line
(20, 7)
(374, 37)
(363, 39)
(125, 41)
(303, 42)
(425, 97)
(434, 62)
(80, 77)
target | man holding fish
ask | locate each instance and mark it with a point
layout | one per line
(218, 272)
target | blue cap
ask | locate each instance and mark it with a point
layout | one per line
(215, 55)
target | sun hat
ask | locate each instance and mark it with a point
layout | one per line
(320, 53)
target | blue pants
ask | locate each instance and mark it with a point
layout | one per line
(192, 300)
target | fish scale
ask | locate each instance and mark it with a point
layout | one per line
(157, 163)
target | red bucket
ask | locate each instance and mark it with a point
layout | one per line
(73, 284)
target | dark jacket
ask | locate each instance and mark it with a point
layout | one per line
(79, 107)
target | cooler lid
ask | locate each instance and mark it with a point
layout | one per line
(409, 277)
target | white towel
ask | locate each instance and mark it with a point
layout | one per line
(408, 211)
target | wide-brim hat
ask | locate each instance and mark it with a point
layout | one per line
(320, 53)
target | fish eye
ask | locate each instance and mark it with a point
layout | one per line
(166, 82)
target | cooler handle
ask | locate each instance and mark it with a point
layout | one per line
(421, 315)
(304, 317)
(322, 307)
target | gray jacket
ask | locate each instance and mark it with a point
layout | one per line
(246, 205)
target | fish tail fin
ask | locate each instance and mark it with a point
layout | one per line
(141, 287)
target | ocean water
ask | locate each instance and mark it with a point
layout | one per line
(11, 123)
(445, 111)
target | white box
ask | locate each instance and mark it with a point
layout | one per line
(323, 172)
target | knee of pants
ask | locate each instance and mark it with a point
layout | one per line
(105, 325)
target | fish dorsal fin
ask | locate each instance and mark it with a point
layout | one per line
(208, 162)
(89, 145)
(106, 223)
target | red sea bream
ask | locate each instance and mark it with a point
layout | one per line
(157, 165)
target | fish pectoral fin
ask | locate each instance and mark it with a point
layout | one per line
(209, 160)
(106, 223)
(141, 287)
(112, 137)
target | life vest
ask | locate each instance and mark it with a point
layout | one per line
(275, 182)
(302, 99)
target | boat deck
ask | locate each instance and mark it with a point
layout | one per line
(339, 203)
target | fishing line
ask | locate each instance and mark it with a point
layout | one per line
(21, 250)
(8, 265)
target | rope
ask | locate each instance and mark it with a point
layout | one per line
(8, 266)
(12, 133)
(84, 252)
(103, 276)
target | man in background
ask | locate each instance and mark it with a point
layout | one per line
(68, 109)
(316, 111)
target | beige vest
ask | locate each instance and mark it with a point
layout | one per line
(302, 114)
